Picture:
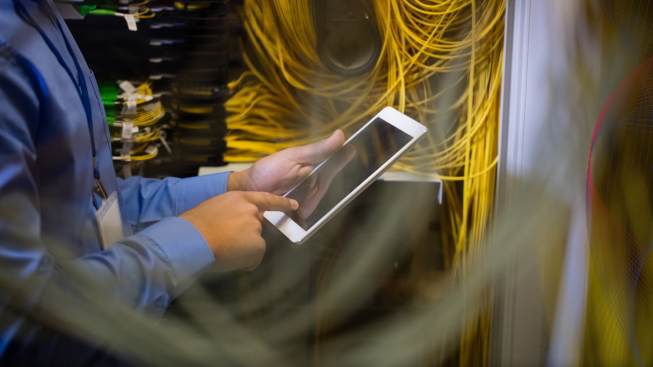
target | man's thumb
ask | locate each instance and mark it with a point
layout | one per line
(318, 151)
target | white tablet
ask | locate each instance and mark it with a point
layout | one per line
(351, 169)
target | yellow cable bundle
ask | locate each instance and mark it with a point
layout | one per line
(440, 62)
(146, 115)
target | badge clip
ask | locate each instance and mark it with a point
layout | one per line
(100, 190)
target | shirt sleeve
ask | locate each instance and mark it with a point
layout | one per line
(142, 273)
(150, 200)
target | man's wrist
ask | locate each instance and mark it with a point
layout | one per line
(237, 181)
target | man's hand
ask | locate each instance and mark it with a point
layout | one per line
(231, 224)
(280, 172)
(318, 184)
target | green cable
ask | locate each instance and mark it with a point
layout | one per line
(109, 95)
(85, 10)
(102, 12)
(111, 115)
(108, 92)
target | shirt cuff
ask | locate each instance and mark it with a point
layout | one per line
(195, 190)
(186, 249)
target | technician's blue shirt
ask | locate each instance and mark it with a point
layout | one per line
(47, 215)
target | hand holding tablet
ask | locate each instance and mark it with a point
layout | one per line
(338, 180)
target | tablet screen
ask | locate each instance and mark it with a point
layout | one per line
(346, 170)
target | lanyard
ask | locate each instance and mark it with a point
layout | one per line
(82, 89)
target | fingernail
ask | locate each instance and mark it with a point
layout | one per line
(294, 204)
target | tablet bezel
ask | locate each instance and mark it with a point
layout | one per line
(295, 232)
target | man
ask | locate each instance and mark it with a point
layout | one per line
(56, 172)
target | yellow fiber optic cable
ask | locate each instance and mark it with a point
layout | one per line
(440, 62)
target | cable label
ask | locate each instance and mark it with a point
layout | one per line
(125, 151)
(126, 130)
(127, 86)
(131, 22)
(152, 150)
(129, 108)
